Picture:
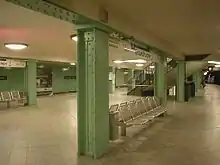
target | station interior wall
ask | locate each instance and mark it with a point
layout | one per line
(62, 81)
(12, 79)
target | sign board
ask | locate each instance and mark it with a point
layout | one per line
(3, 77)
(10, 63)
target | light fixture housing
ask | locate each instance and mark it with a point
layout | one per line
(118, 61)
(139, 61)
(130, 50)
(214, 62)
(152, 67)
(72, 63)
(139, 65)
(16, 46)
(74, 37)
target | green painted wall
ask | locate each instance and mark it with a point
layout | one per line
(15, 79)
(60, 83)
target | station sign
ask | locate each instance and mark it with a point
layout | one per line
(11, 63)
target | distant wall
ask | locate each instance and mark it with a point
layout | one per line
(63, 81)
(12, 79)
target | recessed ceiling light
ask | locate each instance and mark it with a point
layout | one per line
(131, 50)
(118, 61)
(74, 37)
(152, 66)
(140, 61)
(214, 62)
(16, 46)
(41, 66)
(139, 65)
(65, 69)
(73, 63)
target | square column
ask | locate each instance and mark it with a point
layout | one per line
(93, 93)
(180, 81)
(160, 79)
(31, 82)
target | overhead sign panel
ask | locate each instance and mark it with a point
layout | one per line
(10, 63)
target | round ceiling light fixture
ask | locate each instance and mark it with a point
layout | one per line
(74, 37)
(16, 46)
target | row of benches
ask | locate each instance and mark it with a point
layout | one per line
(12, 99)
(136, 112)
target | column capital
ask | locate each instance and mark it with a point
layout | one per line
(90, 27)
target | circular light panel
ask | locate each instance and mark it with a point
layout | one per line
(15, 46)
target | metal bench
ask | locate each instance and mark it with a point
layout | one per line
(138, 112)
(13, 102)
(3, 103)
(19, 97)
(23, 98)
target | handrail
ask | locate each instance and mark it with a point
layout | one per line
(139, 74)
(170, 65)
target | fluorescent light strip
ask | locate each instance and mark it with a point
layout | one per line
(131, 50)
(214, 62)
(137, 61)
(118, 61)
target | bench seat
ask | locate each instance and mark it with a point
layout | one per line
(138, 112)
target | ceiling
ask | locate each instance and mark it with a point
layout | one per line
(191, 26)
(48, 38)
(177, 26)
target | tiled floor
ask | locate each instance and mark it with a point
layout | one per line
(46, 135)
(43, 134)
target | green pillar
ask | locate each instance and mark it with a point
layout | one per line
(93, 93)
(160, 79)
(31, 87)
(180, 82)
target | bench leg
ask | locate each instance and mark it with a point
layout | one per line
(123, 131)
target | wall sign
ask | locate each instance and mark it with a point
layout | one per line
(10, 63)
(3, 77)
(69, 77)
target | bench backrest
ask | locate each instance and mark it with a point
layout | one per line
(134, 109)
(22, 94)
(147, 104)
(15, 95)
(152, 102)
(1, 99)
(157, 101)
(141, 106)
(113, 108)
(124, 112)
(6, 96)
